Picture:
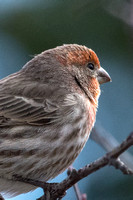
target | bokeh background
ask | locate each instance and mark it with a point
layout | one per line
(28, 27)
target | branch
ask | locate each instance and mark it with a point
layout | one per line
(1, 198)
(79, 195)
(55, 191)
(108, 142)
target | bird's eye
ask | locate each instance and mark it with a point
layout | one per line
(90, 66)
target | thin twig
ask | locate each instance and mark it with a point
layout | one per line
(79, 195)
(108, 142)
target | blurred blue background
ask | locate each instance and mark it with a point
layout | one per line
(30, 27)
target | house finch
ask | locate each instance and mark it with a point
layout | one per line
(47, 110)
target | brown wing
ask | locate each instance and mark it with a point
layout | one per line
(27, 97)
(20, 110)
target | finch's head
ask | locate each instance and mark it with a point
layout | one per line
(84, 59)
(84, 66)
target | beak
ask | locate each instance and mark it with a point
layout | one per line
(103, 76)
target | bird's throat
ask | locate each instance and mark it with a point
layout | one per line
(92, 95)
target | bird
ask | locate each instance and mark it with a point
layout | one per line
(47, 111)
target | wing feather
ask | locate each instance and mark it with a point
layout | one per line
(14, 109)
